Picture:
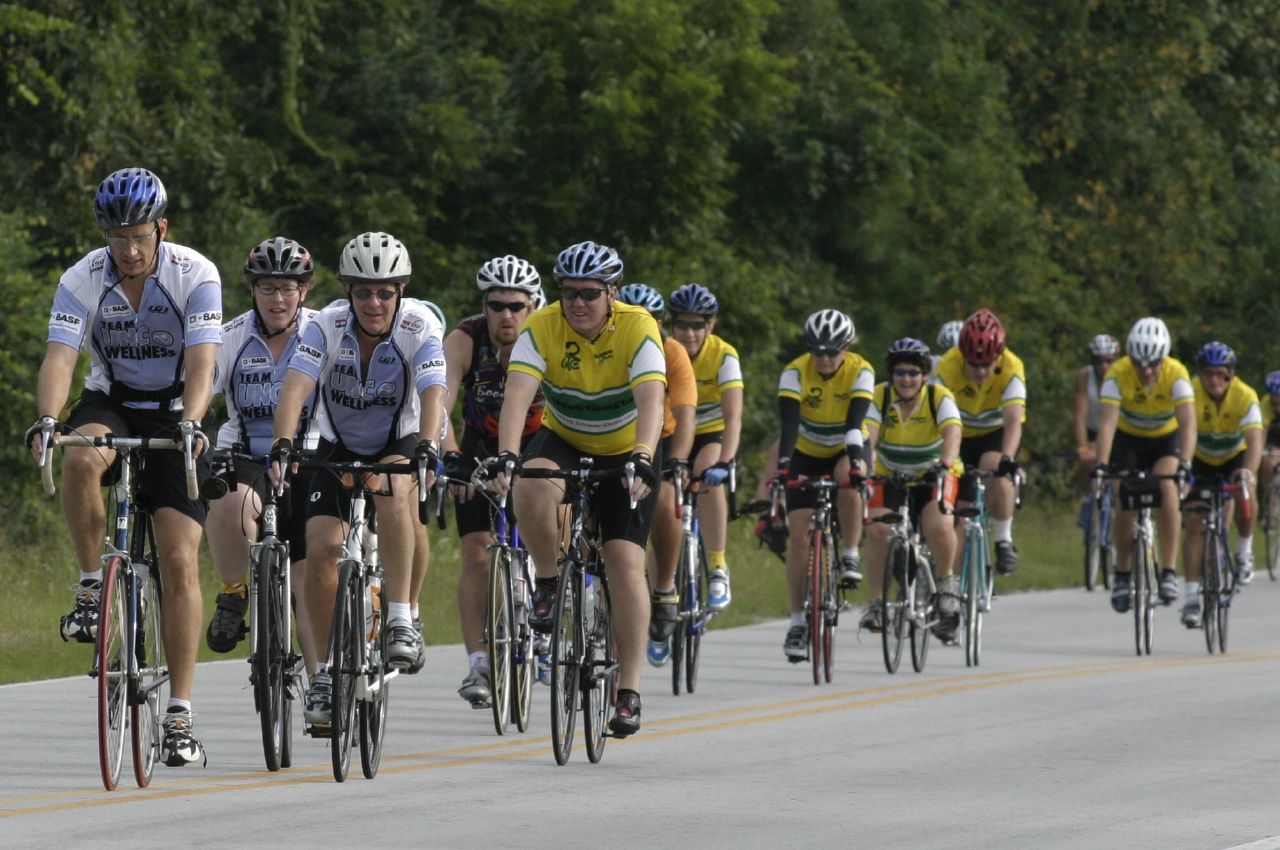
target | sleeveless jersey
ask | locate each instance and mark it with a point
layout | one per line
(484, 385)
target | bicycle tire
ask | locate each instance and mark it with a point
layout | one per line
(270, 652)
(1093, 544)
(698, 620)
(1226, 592)
(893, 617)
(813, 591)
(565, 654)
(830, 609)
(499, 637)
(920, 625)
(680, 635)
(112, 671)
(146, 713)
(343, 668)
(599, 675)
(1210, 582)
(522, 674)
(371, 713)
(1271, 524)
(970, 582)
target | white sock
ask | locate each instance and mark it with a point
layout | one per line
(413, 610)
(797, 619)
(478, 659)
(1002, 530)
(851, 552)
(1193, 591)
(398, 612)
(96, 575)
(179, 705)
(1244, 546)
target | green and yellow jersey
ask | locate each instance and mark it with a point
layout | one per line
(1220, 428)
(824, 402)
(716, 369)
(1147, 411)
(982, 406)
(912, 443)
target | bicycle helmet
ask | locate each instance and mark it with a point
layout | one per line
(129, 197)
(1216, 355)
(643, 295)
(982, 338)
(509, 272)
(829, 329)
(1148, 341)
(1273, 383)
(589, 261)
(1104, 345)
(949, 334)
(694, 298)
(909, 350)
(375, 256)
(279, 257)
(538, 297)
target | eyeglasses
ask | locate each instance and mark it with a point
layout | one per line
(122, 242)
(682, 325)
(268, 290)
(364, 294)
(900, 372)
(825, 352)
(511, 307)
(591, 293)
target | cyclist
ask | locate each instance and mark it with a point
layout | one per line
(914, 426)
(151, 314)
(990, 388)
(251, 367)
(1103, 351)
(948, 338)
(1271, 425)
(1147, 422)
(823, 397)
(476, 354)
(601, 366)
(1229, 440)
(378, 360)
(678, 422)
(716, 367)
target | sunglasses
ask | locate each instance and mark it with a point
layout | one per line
(511, 307)
(364, 294)
(682, 325)
(825, 352)
(588, 295)
(907, 373)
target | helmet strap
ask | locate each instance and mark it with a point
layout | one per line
(262, 325)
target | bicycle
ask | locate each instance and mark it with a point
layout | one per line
(910, 593)
(1099, 551)
(1217, 577)
(128, 659)
(693, 616)
(358, 634)
(583, 651)
(977, 579)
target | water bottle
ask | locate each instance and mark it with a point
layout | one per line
(589, 602)
(373, 607)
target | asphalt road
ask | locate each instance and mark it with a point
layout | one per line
(1061, 739)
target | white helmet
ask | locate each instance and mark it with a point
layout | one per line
(829, 329)
(509, 272)
(539, 298)
(1148, 341)
(375, 256)
(949, 334)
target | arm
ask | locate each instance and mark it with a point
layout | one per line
(1108, 416)
(1253, 444)
(1186, 416)
(457, 359)
(789, 410)
(198, 380)
(54, 384)
(298, 387)
(731, 406)
(853, 432)
(950, 444)
(1080, 414)
(649, 403)
(1012, 415)
(517, 398)
(686, 416)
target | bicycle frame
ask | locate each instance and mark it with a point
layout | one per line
(1217, 576)
(977, 583)
(915, 610)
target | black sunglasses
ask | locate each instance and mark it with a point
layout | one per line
(589, 294)
(364, 294)
(682, 325)
(512, 307)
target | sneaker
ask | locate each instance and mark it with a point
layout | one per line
(1121, 589)
(873, 617)
(227, 627)
(542, 652)
(718, 594)
(81, 625)
(626, 718)
(180, 745)
(663, 615)
(796, 646)
(544, 603)
(475, 687)
(850, 571)
(1244, 567)
(949, 594)
(659, 652)
(404, 646)
(1006, 557)
(318, 710)
(422, 649)
(1168, 587)
(1191, 614)
(946, 627)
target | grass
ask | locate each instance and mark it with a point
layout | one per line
(38, 578)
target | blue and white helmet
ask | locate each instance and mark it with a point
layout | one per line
(589, 261)
(694, 298)
(949, 334)
(129, 197)
(1216, 355)
(1273, 382)
(643, 295)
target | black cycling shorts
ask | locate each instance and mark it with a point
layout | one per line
(328, 496)
(291, 518)
(1141, 453)
(810, 467)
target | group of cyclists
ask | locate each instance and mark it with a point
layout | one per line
(596, 375)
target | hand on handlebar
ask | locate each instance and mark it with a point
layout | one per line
(646, 479)
(494, 470)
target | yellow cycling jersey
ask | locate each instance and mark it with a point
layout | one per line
(589, 383)
(982, 405)
(716, 369)
(1147, 411)
(1220, 427)
(824, 402)
(913, 443)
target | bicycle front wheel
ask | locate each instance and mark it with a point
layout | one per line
(500, 633)
(1094, 545)
(696, 623)
(817, 559)
(112, 669)
(344, 666)
(146, 713)
(271, 651)
(894, 616)
(1271, 521)
(1143, 596)
(371, 713)
(523, 664)
(830, 608)
(680, 635)
(1226, 592)
(971, 583)
(923, 605)
(600, 674)
(565, 656)
(1210, 582)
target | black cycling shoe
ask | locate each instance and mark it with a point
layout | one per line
(227, 627)
(626, 719)
(1121, 590)
(663, 615)
(542, 616)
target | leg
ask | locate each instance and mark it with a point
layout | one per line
(797, 559)
(473, 589)
(324, 548)
(177, 543)
(1170, 529)
(849, 512)
(86, 518)
(629, 592)
(233, 522)
(1000, 512)
(713, 516)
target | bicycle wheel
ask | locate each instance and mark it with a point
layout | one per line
(371, 713)
(680, 635)
(271, 649)
(523, 664)
(146, 713)
(600, 674)
(1093, 544)
(344, 667)
(970, 590)
(923, 606)
(1210, 582)
(830, 609)
(565, 655)
(499, 634)
(1226, 592)
(697, 623)
(112, 670)
(1271, 521)
(894, 616)
(813, 599)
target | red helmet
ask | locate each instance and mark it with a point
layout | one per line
(982, 338)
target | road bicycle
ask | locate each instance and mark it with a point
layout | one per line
(1217, 575)
(128, 660)
(693, 615)
(584, 654)
(910, 592)
(1099, 551)
(977, 579)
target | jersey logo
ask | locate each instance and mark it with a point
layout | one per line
(66, 320)
(814, 399)
(157, 308)
(386, 358)
(572, 360)
(254, 362)
(116, 309)
(604, 355)
(413, 326)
